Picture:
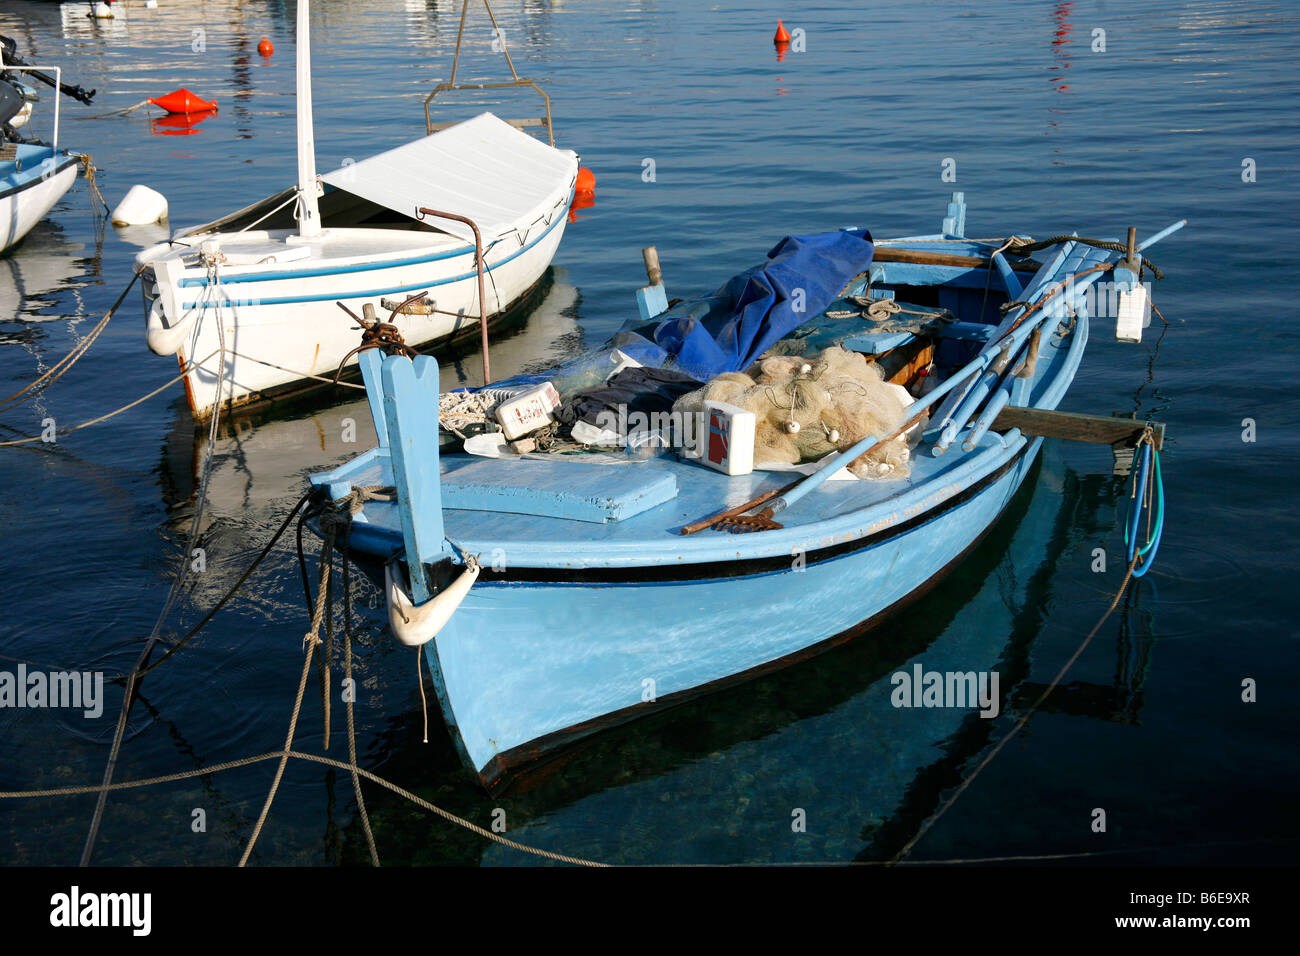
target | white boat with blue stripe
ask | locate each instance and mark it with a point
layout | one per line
(247, 302)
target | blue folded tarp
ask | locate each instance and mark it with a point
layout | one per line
(729, 330)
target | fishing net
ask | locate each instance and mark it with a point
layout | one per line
(808, 407)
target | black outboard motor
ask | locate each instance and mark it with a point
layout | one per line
(11, 103)
(8, 53)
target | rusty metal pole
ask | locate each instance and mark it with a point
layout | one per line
(423, 211)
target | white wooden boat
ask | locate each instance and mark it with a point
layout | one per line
(255, 292)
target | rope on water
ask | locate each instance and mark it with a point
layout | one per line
(90, 172)
(348, 700)
(319, 378)
(313, 758)
(55, 372)
(118, 112)
(333, 526)
(1033, 708)
(191, 366)
(133, 680)
(284, 755)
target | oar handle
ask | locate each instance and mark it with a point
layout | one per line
(1167, 231)
(818, 477)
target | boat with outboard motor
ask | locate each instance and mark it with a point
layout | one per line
(34, 174)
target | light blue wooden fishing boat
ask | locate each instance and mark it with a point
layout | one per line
(554, 596)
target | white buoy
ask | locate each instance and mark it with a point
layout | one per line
(104, 11)
(139, 207)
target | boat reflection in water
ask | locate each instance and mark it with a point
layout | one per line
(32, 273)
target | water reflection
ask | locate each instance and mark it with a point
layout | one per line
(32, 273)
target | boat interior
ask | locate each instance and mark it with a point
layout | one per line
(587, 508)
(339, 209)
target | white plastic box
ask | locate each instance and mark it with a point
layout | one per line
(528, 411)
(726, 441)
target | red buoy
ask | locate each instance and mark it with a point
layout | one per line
(586, 181)
(265, 48)
(781, 35)
(183, 101)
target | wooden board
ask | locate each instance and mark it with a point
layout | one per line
(1100, 429)
(919, 257)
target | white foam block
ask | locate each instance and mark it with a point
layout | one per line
(1134, 314)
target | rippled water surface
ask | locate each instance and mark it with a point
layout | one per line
(1048, 134)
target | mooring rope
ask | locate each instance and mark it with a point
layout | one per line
(348, 699)
(284, 755)
(189, 367)
(92, 186)
(56, 371)
(133, 679)
(1028, 248)
(319, 378)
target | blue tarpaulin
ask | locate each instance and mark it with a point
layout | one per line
(729, 330)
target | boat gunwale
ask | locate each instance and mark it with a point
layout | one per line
(23, 182)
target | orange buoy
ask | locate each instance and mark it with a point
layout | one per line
(182, 101)
(781, 35)
(586, 181)
(265, 48)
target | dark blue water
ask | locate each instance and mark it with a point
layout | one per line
(1047, 136)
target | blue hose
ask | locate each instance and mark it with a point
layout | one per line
(1146, 554)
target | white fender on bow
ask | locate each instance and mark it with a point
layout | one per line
(413, 625)
(165, 340)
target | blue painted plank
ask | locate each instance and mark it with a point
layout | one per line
(954, 224)
(875, 343)
(562, 489)
(965, 331)
(372, 361)
(1009, 280)
(410, 389)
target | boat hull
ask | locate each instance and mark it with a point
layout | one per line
(526, 667)
(28, 194)
(283, 329)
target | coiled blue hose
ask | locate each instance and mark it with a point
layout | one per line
(1146, 554)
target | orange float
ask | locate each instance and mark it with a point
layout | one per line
(183, 101)
(781, 35)
(586, 183)
(265, 47)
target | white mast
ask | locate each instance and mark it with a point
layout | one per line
(308, 210)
